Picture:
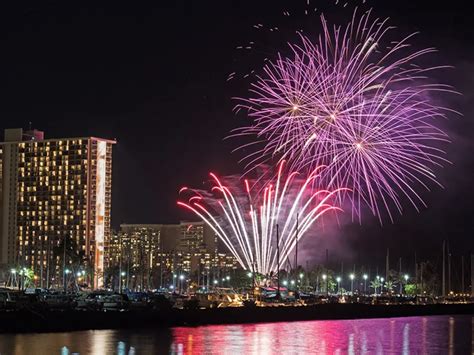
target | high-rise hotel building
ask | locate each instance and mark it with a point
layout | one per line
(51, 191)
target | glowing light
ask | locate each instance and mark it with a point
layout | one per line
(325, 276)
(365, 276)
(100, 214)
(352, 276)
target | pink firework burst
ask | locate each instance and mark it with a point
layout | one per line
(246, 221)
(356, 104)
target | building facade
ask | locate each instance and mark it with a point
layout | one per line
(152, 255)
(55, 193)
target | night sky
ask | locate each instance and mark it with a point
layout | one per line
(154, 78)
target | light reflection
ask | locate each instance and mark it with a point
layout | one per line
(451, 336)
(121, 348)
(423, 327)
(423, 335)
(351, 351)
(406, 339)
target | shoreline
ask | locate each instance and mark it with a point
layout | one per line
(64, 321)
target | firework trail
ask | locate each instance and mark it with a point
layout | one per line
(355, 103)
(246, 223)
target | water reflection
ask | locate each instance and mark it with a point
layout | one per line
(420, 335)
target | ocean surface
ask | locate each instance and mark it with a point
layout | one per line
(411, 335)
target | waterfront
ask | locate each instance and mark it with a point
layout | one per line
(420, 335)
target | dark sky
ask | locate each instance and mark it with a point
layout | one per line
(154, 78)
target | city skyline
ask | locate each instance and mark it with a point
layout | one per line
(163, 145)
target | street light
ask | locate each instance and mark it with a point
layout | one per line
(365, 277)
(381, 286)
(325, 278)
(285, 283)
(66, 272)
(301, 275)
(13, 271)
(227, 277)
(406, 277)
(215, 282)
(250, 275)
(352, 276)
(338, 279)
(181, 279)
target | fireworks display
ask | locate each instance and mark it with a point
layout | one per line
(246, 222)
(358, 103)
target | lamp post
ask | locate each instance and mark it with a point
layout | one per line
(325, 279)
(13, 277)
(250, 276)
(352, 276)
(181, 278)
(406, 277)
(66, 272)
(338, 279)
(365, 277)
(122, 274)
(381, 286)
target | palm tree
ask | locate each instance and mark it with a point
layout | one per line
(389, 285)
(375, 285)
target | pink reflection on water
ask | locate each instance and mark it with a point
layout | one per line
(419, 335)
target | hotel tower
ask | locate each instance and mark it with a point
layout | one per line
(53, 193)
